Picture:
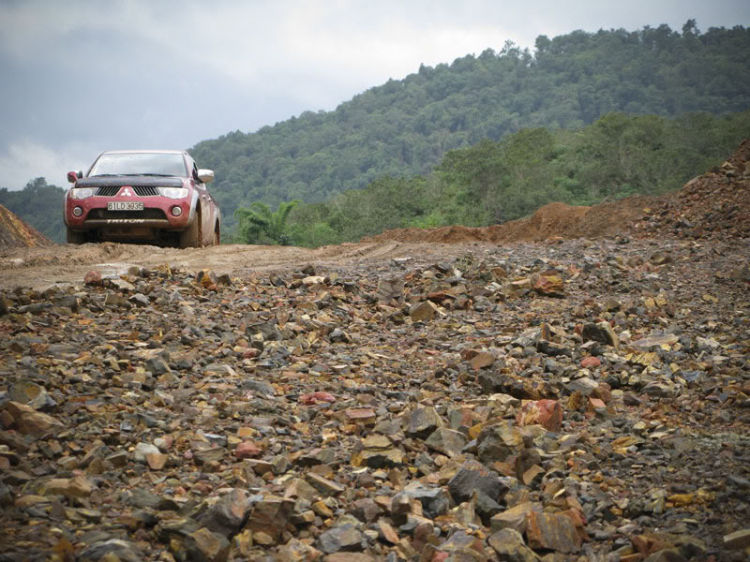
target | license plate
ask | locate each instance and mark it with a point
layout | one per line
(125, 206)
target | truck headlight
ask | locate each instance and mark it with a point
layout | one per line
(80, 193)
(173, 192)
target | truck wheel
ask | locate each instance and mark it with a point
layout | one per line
(191, 238)
(217, 236)
(74, 237)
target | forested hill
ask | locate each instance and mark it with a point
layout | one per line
(405, 126)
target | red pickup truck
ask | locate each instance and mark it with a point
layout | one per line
(155, 196)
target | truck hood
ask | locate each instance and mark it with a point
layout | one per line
(133, 181)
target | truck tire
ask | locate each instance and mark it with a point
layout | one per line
(74, 237)
(191, 238)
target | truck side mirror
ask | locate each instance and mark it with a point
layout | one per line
(206, 176)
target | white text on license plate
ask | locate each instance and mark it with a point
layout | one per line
(125, 206)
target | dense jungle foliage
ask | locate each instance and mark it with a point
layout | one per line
(496, 181)
(404, 127)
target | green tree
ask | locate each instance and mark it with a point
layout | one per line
(258, 224)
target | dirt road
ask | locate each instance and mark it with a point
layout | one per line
(41, 267)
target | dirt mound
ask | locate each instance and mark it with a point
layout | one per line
(559, 220)
(456, 234)
(14, 233)
(714, 204)
(551, 221)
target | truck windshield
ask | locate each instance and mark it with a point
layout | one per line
(139, 164)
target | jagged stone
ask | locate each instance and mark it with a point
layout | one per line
(29, 422)
(552, 531)
(498, 442)
(123, 550)
(472, 477)
(446, 441)
(510, 547)
(228, 514)
(424, 421)
(342, 537)
(270, 516)
(514, 518)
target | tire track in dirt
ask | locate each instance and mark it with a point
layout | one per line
(41, 267)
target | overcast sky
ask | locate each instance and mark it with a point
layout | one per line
(80, 77)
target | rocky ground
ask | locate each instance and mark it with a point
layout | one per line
(576, 400)
(399, 399)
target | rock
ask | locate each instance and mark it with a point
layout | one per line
(241, 546)
(157, 366)
(114, 301)
(340, 336)
(93, 278)
(514, 518)
(207, 278)
(270, 516)
(378, 452)
(29, 422)
(205, 546)
(472, 477)
(660, 258)
(122, 285)
(446, 441)
(366, 510)
(435, 501)
(228, 514)
(423, 312)
(485, 507)
(510, 547)
(552, 531)
(296, 551)
(349, 557)
(666, 555)
(140, 300)
(463, 546)
(547, 413)
(584, 386)
(317, 456)
(498, 442)
(548, 284)
(423, 422)
(73, 488)
(314, 280)
(737, 540)
(342, 537)
(497, 382)
(481, 360)
(144, 449)
(247, 450)
(209, 454)
(156, 461)
(109, 550)
(323, 485)
(26, 392)
(391, 291)
(591, 362)
(601, 332)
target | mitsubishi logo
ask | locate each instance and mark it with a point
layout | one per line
(126, 192)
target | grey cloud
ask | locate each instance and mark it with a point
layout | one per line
(80, 77)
